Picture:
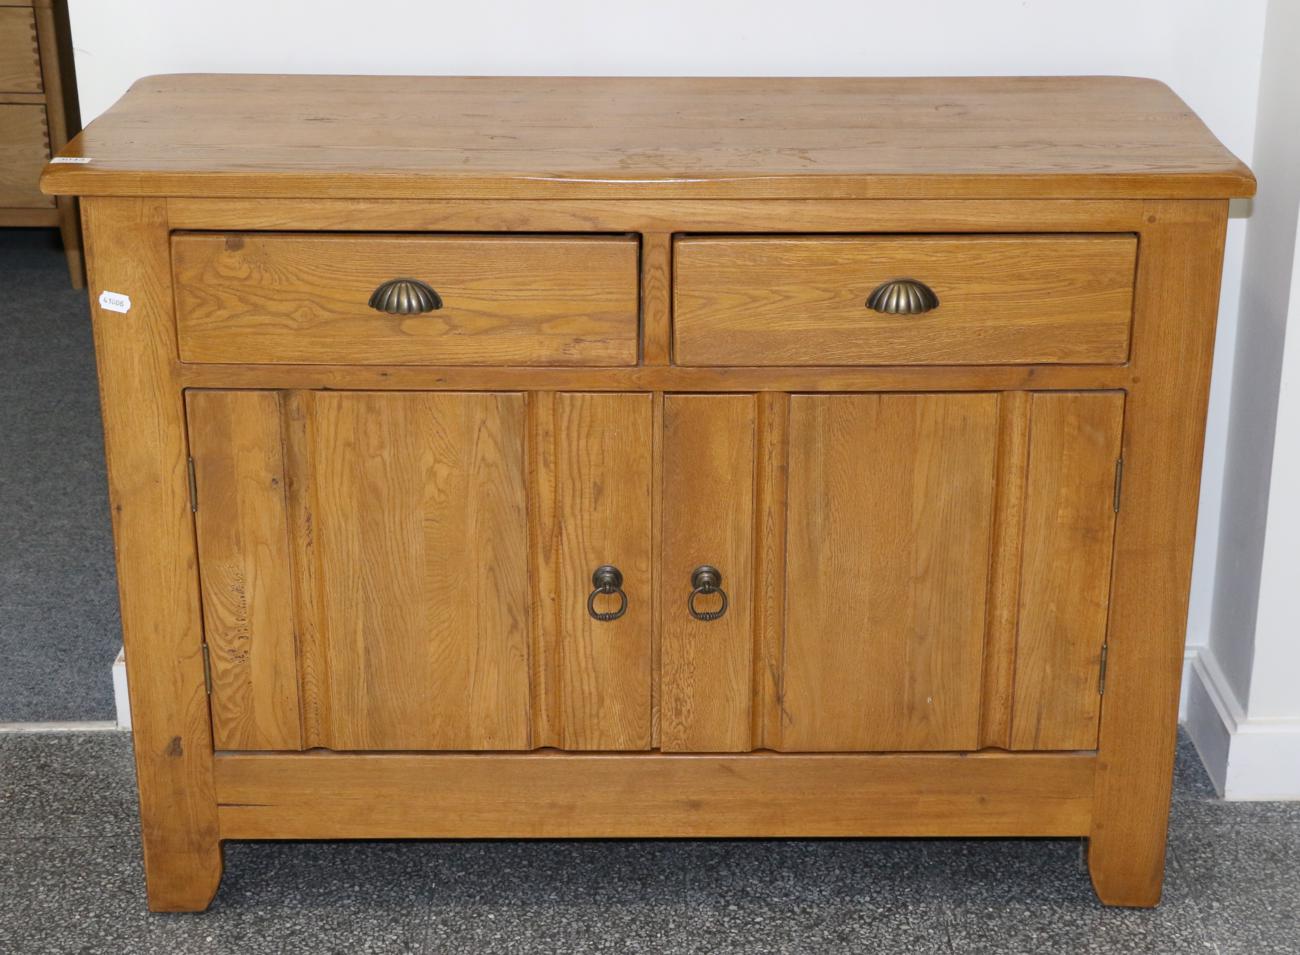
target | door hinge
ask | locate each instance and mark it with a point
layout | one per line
(1119, 481)
(207, 669)
(194, 485)
(1101, 677)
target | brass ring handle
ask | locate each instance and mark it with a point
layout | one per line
(902, 297)
(706, 581)
(608, 580)
(405, 297)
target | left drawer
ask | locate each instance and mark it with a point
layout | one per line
(20, 60)
(303, 298)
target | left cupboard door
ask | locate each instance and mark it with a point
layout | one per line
(364, 568)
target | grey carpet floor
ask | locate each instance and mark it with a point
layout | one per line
(70, 881)
(59, 628)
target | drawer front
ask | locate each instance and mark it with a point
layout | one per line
(24, 150)
(500, 299)
(20, 59)
(803, 300)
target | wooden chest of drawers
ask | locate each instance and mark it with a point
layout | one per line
(652, 457)
(38, 112)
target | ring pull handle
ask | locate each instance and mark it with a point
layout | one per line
(706, 582)
(405, 297)
(903, 297)
(608, 581)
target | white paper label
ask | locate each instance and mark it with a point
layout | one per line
(115, 302)
(78, 160)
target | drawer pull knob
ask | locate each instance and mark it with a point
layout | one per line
(706, 581)
(405, 297)
(608, 581)
(903, 297)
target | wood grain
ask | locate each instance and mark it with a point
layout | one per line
(245, 568)
(667, 379)
(285, 298)
(572, 138)
(603, 479)
(325, 796)
(890, 509)
(421, 542)
(1177, 303)
(1002, 300)
(1004, 570)
(1069, 525)
(153, 535)
(708, 493)
(20, 57)
(24, 147)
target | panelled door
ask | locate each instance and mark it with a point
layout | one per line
(947, 567)
(932, 570)
(372, 568)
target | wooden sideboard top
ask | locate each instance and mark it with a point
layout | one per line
(291, 136)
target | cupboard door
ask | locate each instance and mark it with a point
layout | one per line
(602, 513)
(371, 549)
(245, 573)
(706, 665)
(890, 507)
(421, 549)
(1069, 527)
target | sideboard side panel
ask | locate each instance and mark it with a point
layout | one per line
(144, 438)
(1181, 252)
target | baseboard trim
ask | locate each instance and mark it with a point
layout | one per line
(1247, 759)
(121, 700)
(60, 726)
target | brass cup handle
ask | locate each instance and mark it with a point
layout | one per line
(405, 297)
(706, 582)
(902, 297)
(608, 580)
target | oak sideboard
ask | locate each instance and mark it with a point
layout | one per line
(652, 457)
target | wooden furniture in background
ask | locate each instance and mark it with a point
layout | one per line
(38, 114)
(653, 457)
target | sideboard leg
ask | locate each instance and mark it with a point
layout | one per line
(153, 534)
(1178, 297)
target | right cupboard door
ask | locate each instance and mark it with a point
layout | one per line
(946, 570)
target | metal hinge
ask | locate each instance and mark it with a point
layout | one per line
(207, 669)
(194, 486)
(1101, 677)
(1119, 481)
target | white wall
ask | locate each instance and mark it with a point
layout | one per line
(1244, 710)
(1207, 50)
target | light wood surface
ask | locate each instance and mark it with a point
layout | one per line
(1069, 524)
(244, 564)
(917, 555)
(706, 671)
(890, 506)
(325, 796)
(20, 56)
(153, 535)
(24, 147)
(520, 137)
(421, 543)
(507, 300)
(1002, 300)
(602, 513)
(1164, 416)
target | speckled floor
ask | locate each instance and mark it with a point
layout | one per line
(59, 627)
(70, 881)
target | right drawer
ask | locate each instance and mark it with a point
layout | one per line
(965, 299)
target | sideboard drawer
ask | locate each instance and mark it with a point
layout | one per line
(977, 299)
(288, 298)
